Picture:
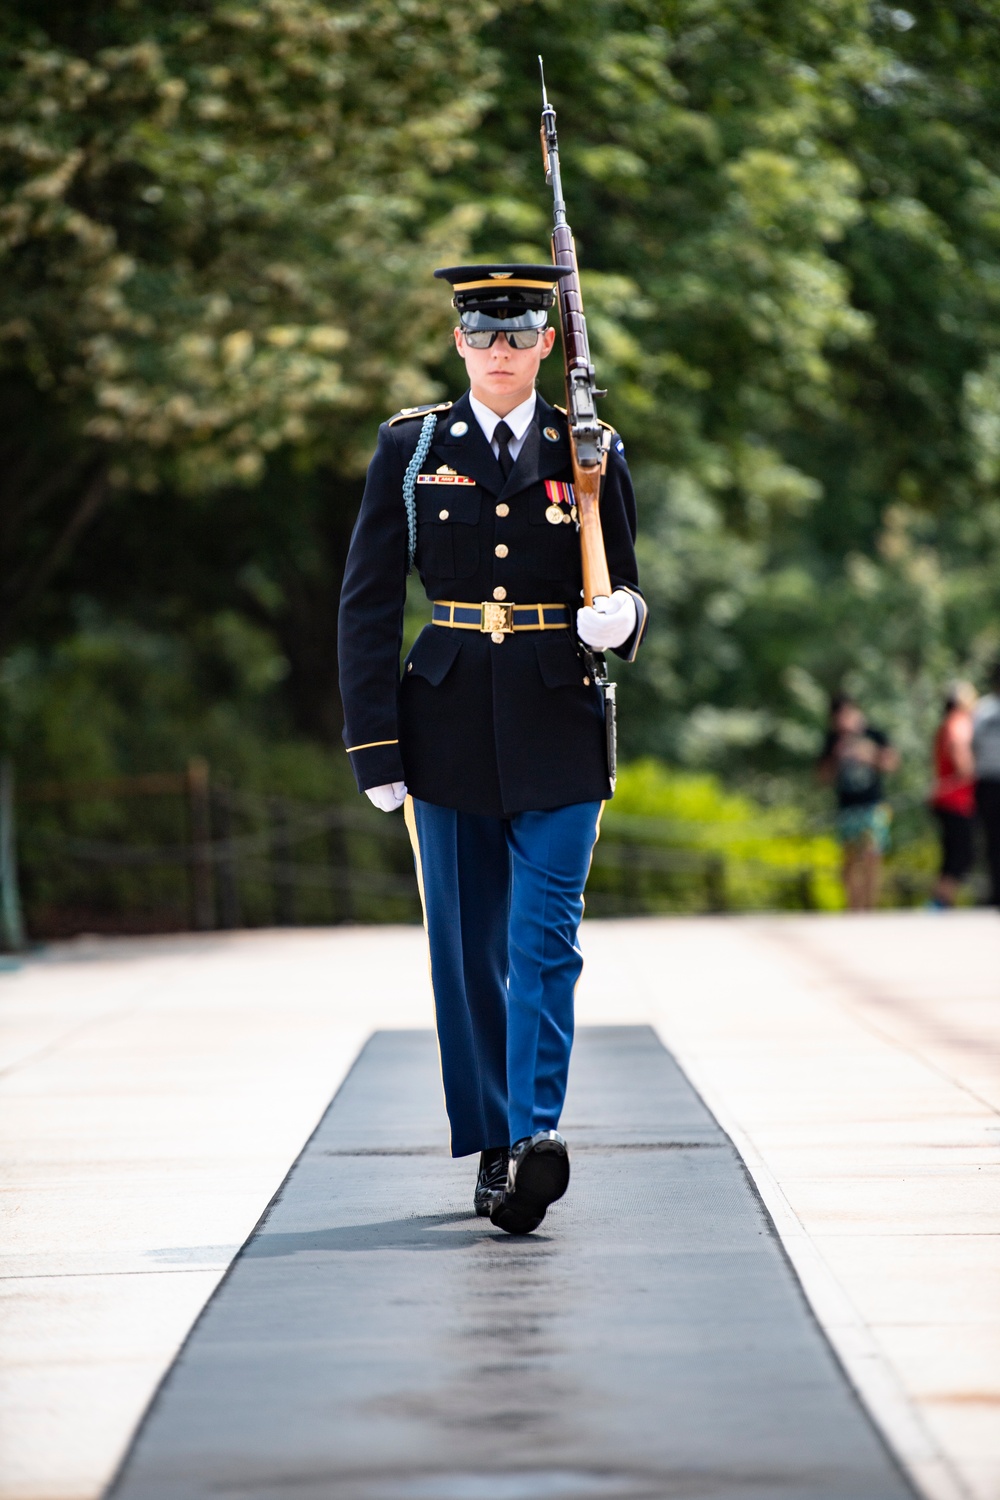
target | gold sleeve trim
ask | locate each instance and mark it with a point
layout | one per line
(371, 745)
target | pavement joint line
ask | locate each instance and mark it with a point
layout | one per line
(865, 1365)
(135, 1002)
(579, 1148)
(845, 989)
(199, 1270)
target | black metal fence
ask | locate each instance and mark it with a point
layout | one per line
(177, 851)
(170, 852)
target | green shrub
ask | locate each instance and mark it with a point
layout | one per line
(765, 856)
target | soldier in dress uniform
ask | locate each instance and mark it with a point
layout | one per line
(494, 734)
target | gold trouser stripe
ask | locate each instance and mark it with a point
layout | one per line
(371, 745)
(409, 818)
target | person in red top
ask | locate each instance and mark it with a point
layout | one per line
(953, 798)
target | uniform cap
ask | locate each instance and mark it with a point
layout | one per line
(503, 296)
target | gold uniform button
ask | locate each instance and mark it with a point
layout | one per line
(497, 637)
(443, 515)
(501, 549)
(503, 509)
(586, 682)
(499, 592)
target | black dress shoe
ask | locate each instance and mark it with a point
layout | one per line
(492, 1180)
(537, 1174)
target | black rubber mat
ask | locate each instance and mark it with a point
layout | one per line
(375, 1341)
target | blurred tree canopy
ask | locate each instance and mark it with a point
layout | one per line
(205, 208)
(790, 216)
(217, 227)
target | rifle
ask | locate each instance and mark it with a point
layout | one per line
(588, 440)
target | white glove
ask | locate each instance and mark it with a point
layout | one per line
(387, 797)
(608, 622)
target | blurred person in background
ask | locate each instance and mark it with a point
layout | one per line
(854, 759)
(986, 759)
(953, 796)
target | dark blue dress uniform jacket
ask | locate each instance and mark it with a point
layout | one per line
(476, 725)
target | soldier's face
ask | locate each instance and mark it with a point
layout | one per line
(501, 376)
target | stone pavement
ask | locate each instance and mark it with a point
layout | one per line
(153, 1094)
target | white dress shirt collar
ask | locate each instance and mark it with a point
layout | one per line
(518, 420)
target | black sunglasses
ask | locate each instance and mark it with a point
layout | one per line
(517, 338)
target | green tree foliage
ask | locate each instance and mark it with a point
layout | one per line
(204, 210)
(698, 167)
(759, 847)
(219, 227)
(802, 201)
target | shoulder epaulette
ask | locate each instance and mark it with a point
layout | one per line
(409, 412)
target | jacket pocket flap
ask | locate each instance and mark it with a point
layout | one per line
(538, 504)
(433, 653)
(447, 504)
(557, 660)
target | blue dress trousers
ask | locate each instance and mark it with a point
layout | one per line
(503, 900)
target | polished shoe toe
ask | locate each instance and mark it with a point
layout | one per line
(491, 1181)
(537, 1174)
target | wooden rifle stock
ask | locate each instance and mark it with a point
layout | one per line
(588, 446)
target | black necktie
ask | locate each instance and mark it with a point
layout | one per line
(503, 435)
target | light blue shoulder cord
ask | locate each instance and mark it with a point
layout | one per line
(410, 485)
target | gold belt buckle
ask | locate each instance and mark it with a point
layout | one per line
(497, 617)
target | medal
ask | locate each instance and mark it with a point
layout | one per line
(562, 507)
